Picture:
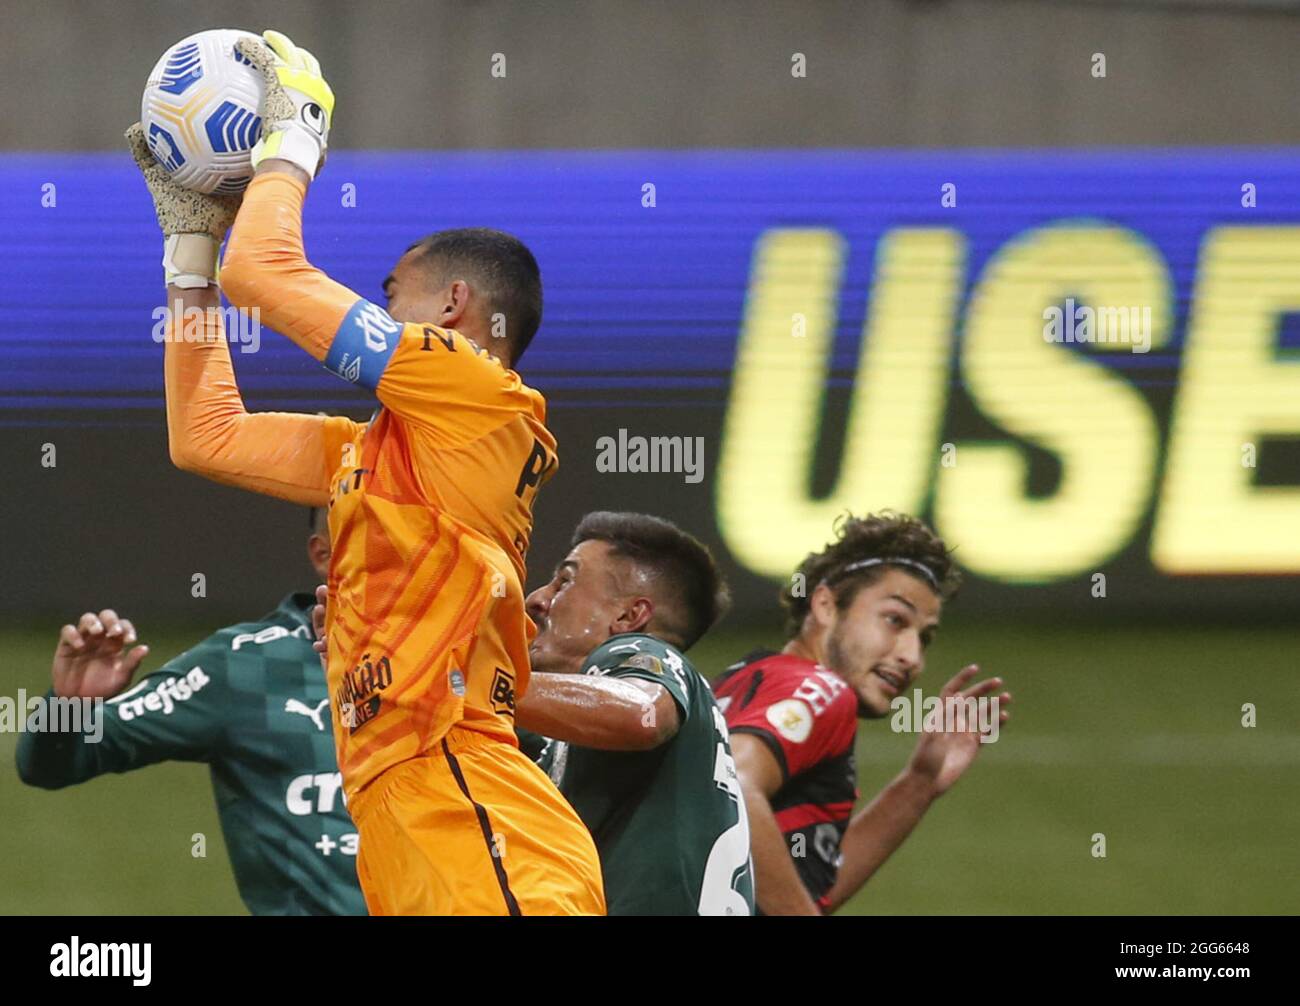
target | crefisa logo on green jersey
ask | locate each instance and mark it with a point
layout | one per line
(162, 698)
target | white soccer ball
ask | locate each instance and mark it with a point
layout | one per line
(200, 111)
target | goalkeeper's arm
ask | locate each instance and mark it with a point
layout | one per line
(265, 266)
(209, 432)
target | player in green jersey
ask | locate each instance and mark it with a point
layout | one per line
(637, 744)
(623, 723)
(250, 701)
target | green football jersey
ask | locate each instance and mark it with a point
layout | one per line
(669, 823)
(250, 701)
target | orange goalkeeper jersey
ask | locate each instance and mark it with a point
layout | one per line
(429, 518)
(430, 503)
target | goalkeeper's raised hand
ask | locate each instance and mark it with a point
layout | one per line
(193, 224)
(298, 105)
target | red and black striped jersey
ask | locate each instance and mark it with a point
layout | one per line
(808, 717)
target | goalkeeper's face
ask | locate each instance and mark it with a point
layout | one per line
(412, 296)
(590, 598)
(877, 642)
(415, 294)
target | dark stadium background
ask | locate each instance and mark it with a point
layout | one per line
(1128, 707)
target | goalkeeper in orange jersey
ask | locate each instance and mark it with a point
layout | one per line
(430, 511)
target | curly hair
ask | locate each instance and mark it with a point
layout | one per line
(882, 536)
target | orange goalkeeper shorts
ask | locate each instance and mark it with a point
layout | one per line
(473, 828)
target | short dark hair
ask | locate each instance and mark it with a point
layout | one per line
(697, 593)
(318, 521)
(500, 266)
(885, 535)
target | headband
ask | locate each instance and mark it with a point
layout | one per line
(919, 567)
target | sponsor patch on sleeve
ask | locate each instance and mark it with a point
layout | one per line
(363, 344)
(645, 662)
(792, 719)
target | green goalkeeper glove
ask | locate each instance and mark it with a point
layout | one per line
(193, 224)
(298, 105)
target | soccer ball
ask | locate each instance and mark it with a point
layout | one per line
(199, 111)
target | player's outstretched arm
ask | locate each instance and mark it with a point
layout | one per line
(284, 454)
(608, 714)
(209, 432)
(160, 718)
(777, 886)
(265, 266)
(287, 455)
(943, 754)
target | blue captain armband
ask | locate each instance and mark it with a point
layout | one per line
(362, 345)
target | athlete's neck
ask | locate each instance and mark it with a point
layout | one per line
(800, 647)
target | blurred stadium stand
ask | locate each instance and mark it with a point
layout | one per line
(881, 73)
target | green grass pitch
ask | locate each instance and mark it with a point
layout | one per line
(1131, 731)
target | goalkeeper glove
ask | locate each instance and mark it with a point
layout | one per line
(298, 105)
(193, 224)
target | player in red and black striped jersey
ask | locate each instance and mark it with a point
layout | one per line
(861, 614)
(806, 718)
